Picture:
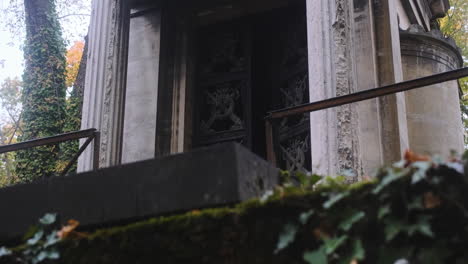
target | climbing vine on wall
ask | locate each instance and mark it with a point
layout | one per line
(44, 89)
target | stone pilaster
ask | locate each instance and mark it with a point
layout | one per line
(104, 94)
(392, 108)
(366, 78)
(433, 112)
(335, 145)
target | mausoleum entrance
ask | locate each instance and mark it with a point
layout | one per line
(244, 67)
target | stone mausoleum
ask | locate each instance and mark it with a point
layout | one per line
(169, 76)
(174, 76)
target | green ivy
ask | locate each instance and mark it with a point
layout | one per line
(40, 245)
(43, 97)
(416, 211)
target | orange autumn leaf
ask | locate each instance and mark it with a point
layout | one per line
(320, 234)
(431, 200)
(195, 212)
(411, 157)
(68, 229)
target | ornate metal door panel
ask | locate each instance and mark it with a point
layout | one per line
(222, 86)
(227, 107)
(294, 132)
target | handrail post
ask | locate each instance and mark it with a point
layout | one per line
(96, 147)
(77, 155)
(270, 140)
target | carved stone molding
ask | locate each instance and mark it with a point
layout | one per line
(334, 141)
(103, 105)
(431, 45)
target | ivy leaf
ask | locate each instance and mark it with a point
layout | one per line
(332, 244)
(383, 211)
(316, 257)
(51, 239)
(423, 226)
(391, 176)
(304, 217)
(392, 229)
(43, 255)
(52, 254)
(400, 164)
(351, 220)
(302, 178)
(286, 237)
(359, 252)
(334, 199)
(336, 182)
(457, 166)
(421, 169)
(48, 219)
(417, 203)
(266, 196)
(35, 238)
(4, 252)
(313, 179)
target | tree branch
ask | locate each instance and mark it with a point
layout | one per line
(73, 14)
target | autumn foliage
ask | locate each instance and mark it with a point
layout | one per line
(74, 55)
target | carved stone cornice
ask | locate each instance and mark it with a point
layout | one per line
(415, 41)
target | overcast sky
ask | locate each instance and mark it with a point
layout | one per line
(11, 55)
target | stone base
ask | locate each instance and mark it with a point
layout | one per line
(208, 177)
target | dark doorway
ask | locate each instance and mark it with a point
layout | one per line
(245, 68)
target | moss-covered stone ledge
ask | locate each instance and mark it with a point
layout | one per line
(415, 210)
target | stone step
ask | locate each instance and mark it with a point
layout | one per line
(207, 177)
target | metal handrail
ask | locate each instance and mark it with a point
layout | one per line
(271, 118)
(90, 134)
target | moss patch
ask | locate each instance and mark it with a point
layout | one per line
(415, 212)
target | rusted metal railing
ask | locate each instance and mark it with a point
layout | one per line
(89, 134)
(274, 116)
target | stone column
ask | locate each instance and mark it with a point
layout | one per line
(392, 108)
(104, 94)
(434, 118)
(335, 145)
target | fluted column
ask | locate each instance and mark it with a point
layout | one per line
(104, 95)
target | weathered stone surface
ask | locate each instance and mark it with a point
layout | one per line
(370, 140)
(106, 73)
(334, 138)
(139, 134)
(207, 177)
(392, 108)
(433, 112)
